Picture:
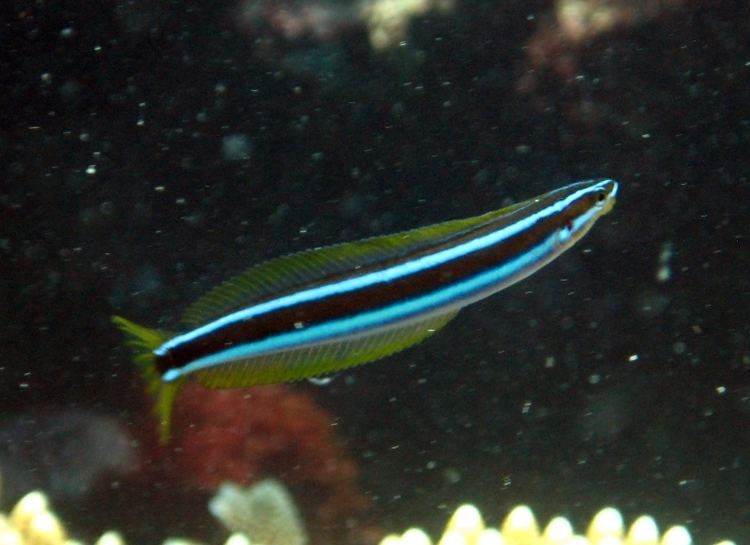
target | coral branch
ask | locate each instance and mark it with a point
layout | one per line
(272, 431)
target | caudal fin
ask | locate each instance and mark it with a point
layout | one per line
(143, 341)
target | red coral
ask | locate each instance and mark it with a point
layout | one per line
(248, 434)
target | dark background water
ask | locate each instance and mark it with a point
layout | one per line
(152, 149)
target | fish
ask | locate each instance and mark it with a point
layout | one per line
(330, 308)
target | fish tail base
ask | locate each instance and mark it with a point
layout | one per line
(163, 408)
(143, 341)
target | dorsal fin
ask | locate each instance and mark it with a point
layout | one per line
(309, 267)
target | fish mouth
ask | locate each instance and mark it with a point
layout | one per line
(611, 197)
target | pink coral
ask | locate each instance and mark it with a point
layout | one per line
(247, 434)
(321, 20)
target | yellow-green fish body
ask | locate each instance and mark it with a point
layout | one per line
(327, 309)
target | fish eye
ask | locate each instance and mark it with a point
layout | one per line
(600, 195)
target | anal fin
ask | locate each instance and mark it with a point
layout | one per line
(322, 358)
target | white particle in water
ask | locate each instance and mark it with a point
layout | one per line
(320, 381)
(236, 147)
(664, 271)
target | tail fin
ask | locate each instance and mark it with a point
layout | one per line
(143, 341)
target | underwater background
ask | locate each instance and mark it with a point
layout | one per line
(150, 149)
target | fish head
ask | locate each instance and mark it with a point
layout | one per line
(581, 206)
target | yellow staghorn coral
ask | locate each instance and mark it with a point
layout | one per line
(32, 522)
(466, 527)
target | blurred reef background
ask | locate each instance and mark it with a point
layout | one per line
(151, 148)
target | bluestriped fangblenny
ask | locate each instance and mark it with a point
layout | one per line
(326, 309)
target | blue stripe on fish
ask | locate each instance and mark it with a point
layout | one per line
(377, 277)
